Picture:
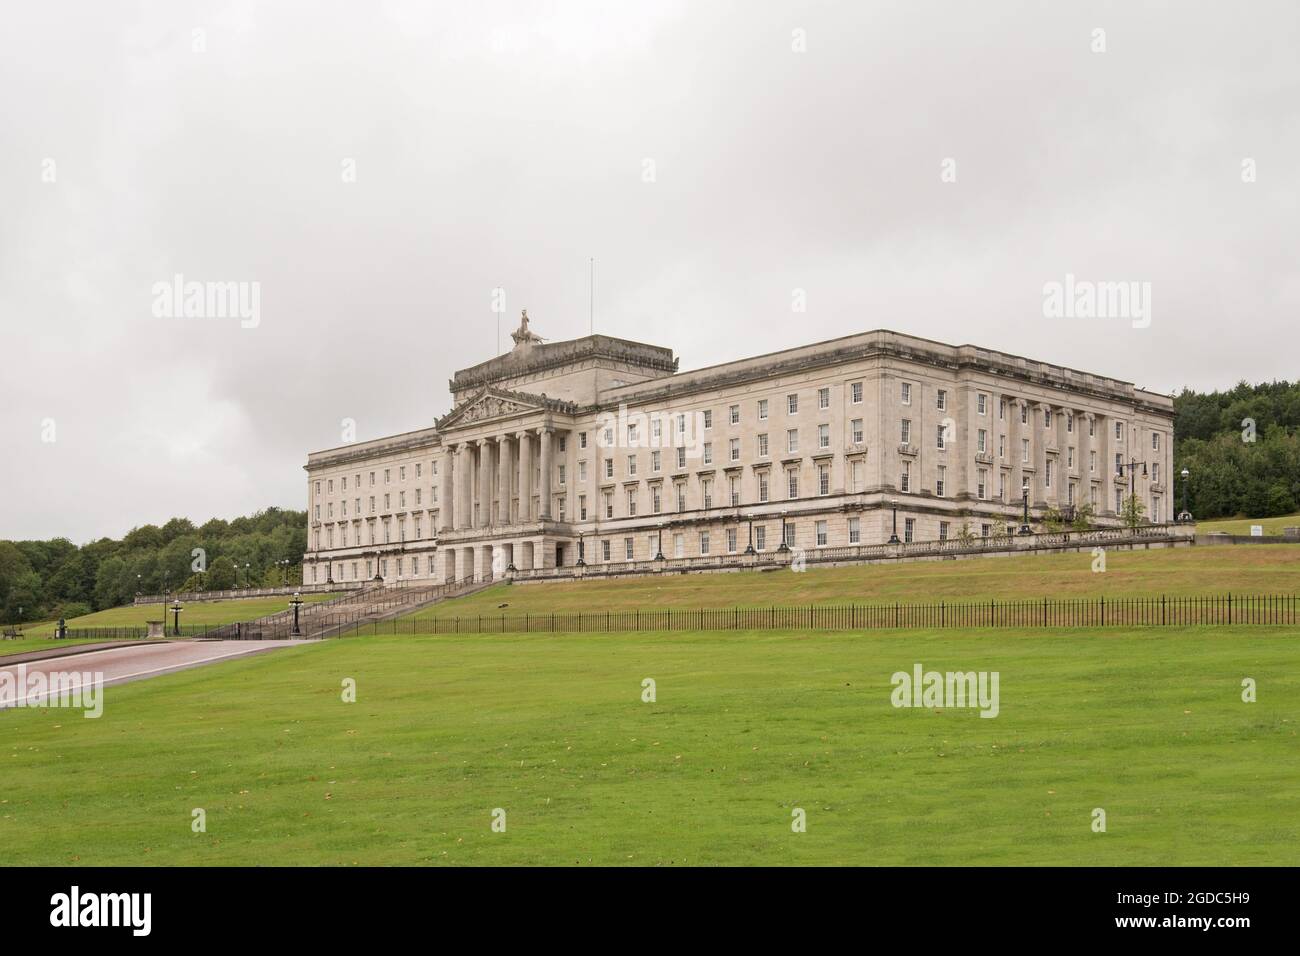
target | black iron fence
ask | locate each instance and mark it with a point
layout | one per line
(1156, 611)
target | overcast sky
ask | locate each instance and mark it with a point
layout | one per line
(377, 168)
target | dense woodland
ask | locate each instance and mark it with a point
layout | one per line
(51, 579)
(1236, 470)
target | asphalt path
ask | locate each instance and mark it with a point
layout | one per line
(119, 665)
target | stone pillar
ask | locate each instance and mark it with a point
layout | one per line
(503, 478)
(446, 508)
(525, 440)
(545, 491)
(462, 487)
(484, 483)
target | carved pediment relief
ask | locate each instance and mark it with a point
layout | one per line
(485, 406)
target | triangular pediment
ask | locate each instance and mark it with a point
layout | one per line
(490, 404)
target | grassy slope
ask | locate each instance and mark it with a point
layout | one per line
(1242, 525)
(198, 612)
(1147, 725)
(1198, 570)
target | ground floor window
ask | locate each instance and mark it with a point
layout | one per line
(909, 529)
(821, 534)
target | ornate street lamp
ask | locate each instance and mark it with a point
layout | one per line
(582, 551)
(659, 547)
(749, 548)
(783, 546)
(176, 618)
(1024, 521)
(893, 538)
(295, 604)
(1185, 516)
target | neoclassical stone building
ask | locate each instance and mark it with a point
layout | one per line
(598, 449)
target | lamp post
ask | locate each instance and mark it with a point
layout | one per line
(176, 618)
(749, 548)
(1132, 467)
(1185, 516)
(783, 547)
(893, 537)
(1024, 521)
(582, 550)
(295, 604)
(659, 546)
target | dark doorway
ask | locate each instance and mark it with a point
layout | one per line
(559, 555)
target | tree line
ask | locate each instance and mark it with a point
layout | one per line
(1241, 448)
(45, 580)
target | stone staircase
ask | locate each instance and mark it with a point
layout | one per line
(378, 602)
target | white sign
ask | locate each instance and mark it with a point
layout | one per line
(1257, 531)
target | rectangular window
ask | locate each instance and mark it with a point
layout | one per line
(656, 462)
(905, 479)
(906, 396)
(792, 440)
(1092, 462)
(582, 507)
(824, 480)
(762, 409)
(823, 436)
(857, 475)
(856, 391)
(941, 399)
(940, 480)
(1024, 414)
(981, 486)
(708, 418)
(821, 534)
(733, 484)
(823, 398)
(706, 490)
(909, 529)
(762, 445)
(1024, 450)
(681, 457)
(905, 432)
(731, 540)
(1047, 474)
(628, 549)
(789, 535)
(855, 427)
(708, 453)
(734, 449)
(760, 537)
(855, 531)
(631, 503)
(792, 483)
(982, 441)
(656, 499)
(604, 550)
(943, 531)
(734, 413)
(1069, 421)
(704, 542)
(982, 403)
(939, 435)
(762, 487)
(792, 404)
(1155, 441)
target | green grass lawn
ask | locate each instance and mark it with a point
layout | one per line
(1173, 571)
(197, 612)
(1148, 725)
(1242, 525)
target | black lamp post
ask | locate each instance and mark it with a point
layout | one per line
(659, 547)
(749, 549)
(1024, 521)
(784, 546)
(893, 538)
(1185, 516)
(176, 618)
(1132, 467)
(582, 551)
(295, 604)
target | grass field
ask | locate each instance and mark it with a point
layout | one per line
(42, 644)
(197, 612)
(1148, 726)
(1242, 525)
(1172, 571)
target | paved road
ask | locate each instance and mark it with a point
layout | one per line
(121, 664)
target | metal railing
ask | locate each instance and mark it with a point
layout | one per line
(1153, 611)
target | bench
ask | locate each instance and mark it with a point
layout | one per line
(12, 633)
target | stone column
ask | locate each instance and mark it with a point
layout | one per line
(503, 478)
(484, 483)
(525, 440)
(446, 509)
(544, 512)
(462, 507)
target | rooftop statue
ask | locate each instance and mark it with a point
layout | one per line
(522, 334)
